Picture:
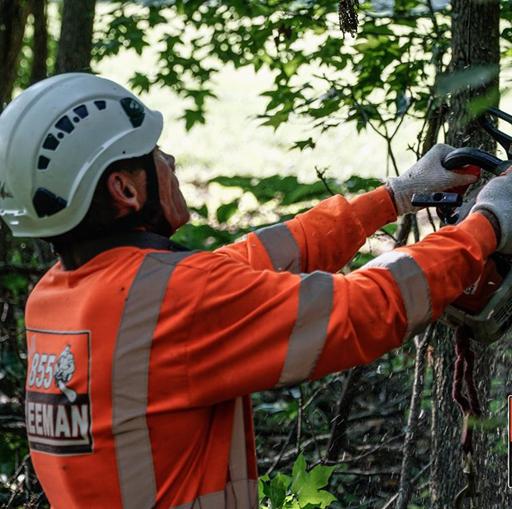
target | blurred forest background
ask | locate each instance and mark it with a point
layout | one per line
(270, 107)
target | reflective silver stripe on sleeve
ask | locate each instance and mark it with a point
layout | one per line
(413, 287)
(281, 246)
(130, 373)
(310, 331)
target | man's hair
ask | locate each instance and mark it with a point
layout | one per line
(101, 218)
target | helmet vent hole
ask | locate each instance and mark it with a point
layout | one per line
(101, 105)
(81, 111)
(64, 124)
(51, 143)
(47, 203)
(134, 110)
(42, 163)
(60, 136)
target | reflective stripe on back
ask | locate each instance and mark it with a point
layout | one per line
(130, 373)
(310, 331)
(224, 499)
(413, 287)
(238, 489)
(240, 492)
(281, 246)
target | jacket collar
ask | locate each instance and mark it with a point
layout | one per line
(81, 253)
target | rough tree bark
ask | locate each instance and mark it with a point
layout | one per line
(75, 44)
(475, 42)
(13, 17)
(40, 43)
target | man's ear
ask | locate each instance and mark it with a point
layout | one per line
(128, 191)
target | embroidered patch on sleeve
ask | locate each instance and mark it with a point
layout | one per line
(57, 405)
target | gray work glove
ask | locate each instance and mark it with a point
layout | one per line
(496, 198)
(428, 175)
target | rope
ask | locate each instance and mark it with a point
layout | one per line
(463, 373)
(469, 406)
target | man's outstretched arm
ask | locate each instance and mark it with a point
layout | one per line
(323, 238)
(263, 329)
(327, 236)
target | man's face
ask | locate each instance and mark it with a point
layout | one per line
(172, 201)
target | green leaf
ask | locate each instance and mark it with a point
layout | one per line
(193, 117)
(202, 211)
(480, 104)
(276, 119)
(240, 181)
(473, 77)
(320, 475)
(262, 484)
(390, 228)
(303, 144)
(226, 211)
(203, 236)
(303, 192)
(15, 282)
(356, 184)
(278, 489)
(361, 259)
(307, 486)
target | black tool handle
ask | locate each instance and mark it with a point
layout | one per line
(436, 200)
(491, 127)
(462, 156)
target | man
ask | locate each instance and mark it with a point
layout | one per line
(141, 356)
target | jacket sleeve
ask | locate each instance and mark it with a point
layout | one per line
(255, 330)
(324, 238)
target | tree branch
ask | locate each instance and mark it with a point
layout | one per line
(404, 492)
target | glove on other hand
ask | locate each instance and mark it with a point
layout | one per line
(428, 175)
(496, 198)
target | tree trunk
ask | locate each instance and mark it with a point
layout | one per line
(475, 42)
(13, 17)
(40, 43)
(75, 44)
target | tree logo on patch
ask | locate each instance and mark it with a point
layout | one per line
(64, 373)
(58, 408)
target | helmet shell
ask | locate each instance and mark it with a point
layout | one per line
(56, 139)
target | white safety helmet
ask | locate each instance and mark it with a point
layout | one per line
(56, 139)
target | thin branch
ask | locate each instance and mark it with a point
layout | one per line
(404, 228)
(345, 401)
(320, 173)
(431, 220)
(387, 234)
(281, 453)
(405, 489)
(300, 413)
(415, 228)
(414, 480)
(367, 473)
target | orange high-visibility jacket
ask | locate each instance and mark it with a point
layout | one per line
(141, 361)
